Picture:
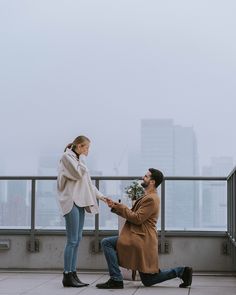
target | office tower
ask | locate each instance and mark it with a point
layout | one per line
(47, 210)
(14, 201)
(157, 145)
(17, 207)
(173, 149)
(214, 194)
(134, 164)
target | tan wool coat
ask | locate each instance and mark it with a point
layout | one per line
(137, 245)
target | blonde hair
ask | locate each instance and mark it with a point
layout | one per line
(78, 140)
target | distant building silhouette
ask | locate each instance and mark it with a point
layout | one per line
(18, 203)
(214, 194)
(172, 149)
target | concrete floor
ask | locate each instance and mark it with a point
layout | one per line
(37, 283)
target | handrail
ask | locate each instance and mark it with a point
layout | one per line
(231, 213)
(231, 173)
(221, 178)
(33, 231)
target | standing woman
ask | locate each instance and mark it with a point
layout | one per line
(76, 194)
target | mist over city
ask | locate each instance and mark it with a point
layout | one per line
(117, 150)
(101, 68)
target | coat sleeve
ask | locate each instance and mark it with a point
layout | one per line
(74, 170)
(138, 217)
(98, 194)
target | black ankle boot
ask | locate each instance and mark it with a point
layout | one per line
(69, 281)
(187, 277)
(77, 279)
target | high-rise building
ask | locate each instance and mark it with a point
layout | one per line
(157, 145)
(17, 213)
(214, 194)
(47, 211)
(173, 149)
(14, 201)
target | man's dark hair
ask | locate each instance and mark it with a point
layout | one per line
(157, 176)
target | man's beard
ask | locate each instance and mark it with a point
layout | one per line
(144, 185)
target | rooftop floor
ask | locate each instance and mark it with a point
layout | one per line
(37, 283)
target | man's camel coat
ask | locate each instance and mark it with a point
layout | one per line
(137, 245)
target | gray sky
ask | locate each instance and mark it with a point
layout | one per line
(99, 67)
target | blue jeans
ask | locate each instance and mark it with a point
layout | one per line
(109, 249)
(148, 279)
(74, 227)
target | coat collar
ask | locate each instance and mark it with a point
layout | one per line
(72, 153)
(140, 199)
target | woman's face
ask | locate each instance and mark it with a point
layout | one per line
(83, 148)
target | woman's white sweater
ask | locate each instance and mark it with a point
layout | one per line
(74, 184)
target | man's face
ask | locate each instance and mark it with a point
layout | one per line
(146, 179)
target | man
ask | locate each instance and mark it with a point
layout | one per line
(137, 246)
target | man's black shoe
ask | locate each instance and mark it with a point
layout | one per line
(186, 277)
(111, 284)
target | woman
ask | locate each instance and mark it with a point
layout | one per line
(76, 194)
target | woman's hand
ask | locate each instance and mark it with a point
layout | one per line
(104, 199)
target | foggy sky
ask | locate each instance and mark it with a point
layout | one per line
(99, 67)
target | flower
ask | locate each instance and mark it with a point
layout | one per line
(135, 190)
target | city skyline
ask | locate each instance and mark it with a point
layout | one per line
(33, 163)
(99, 67)
(171, 147)
(188, 205)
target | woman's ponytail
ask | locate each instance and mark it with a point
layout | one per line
(78, 140)
(68, 146)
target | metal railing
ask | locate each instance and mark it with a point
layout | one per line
(97, 232)
(231, 213)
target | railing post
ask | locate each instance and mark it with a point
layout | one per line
(96, 234)
(228, 204)
(234, 206)
(233, 220)
(163, 217)
(231, 215)
(32, 244)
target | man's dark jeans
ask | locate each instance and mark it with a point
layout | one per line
(109, 248)
(149, 279)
